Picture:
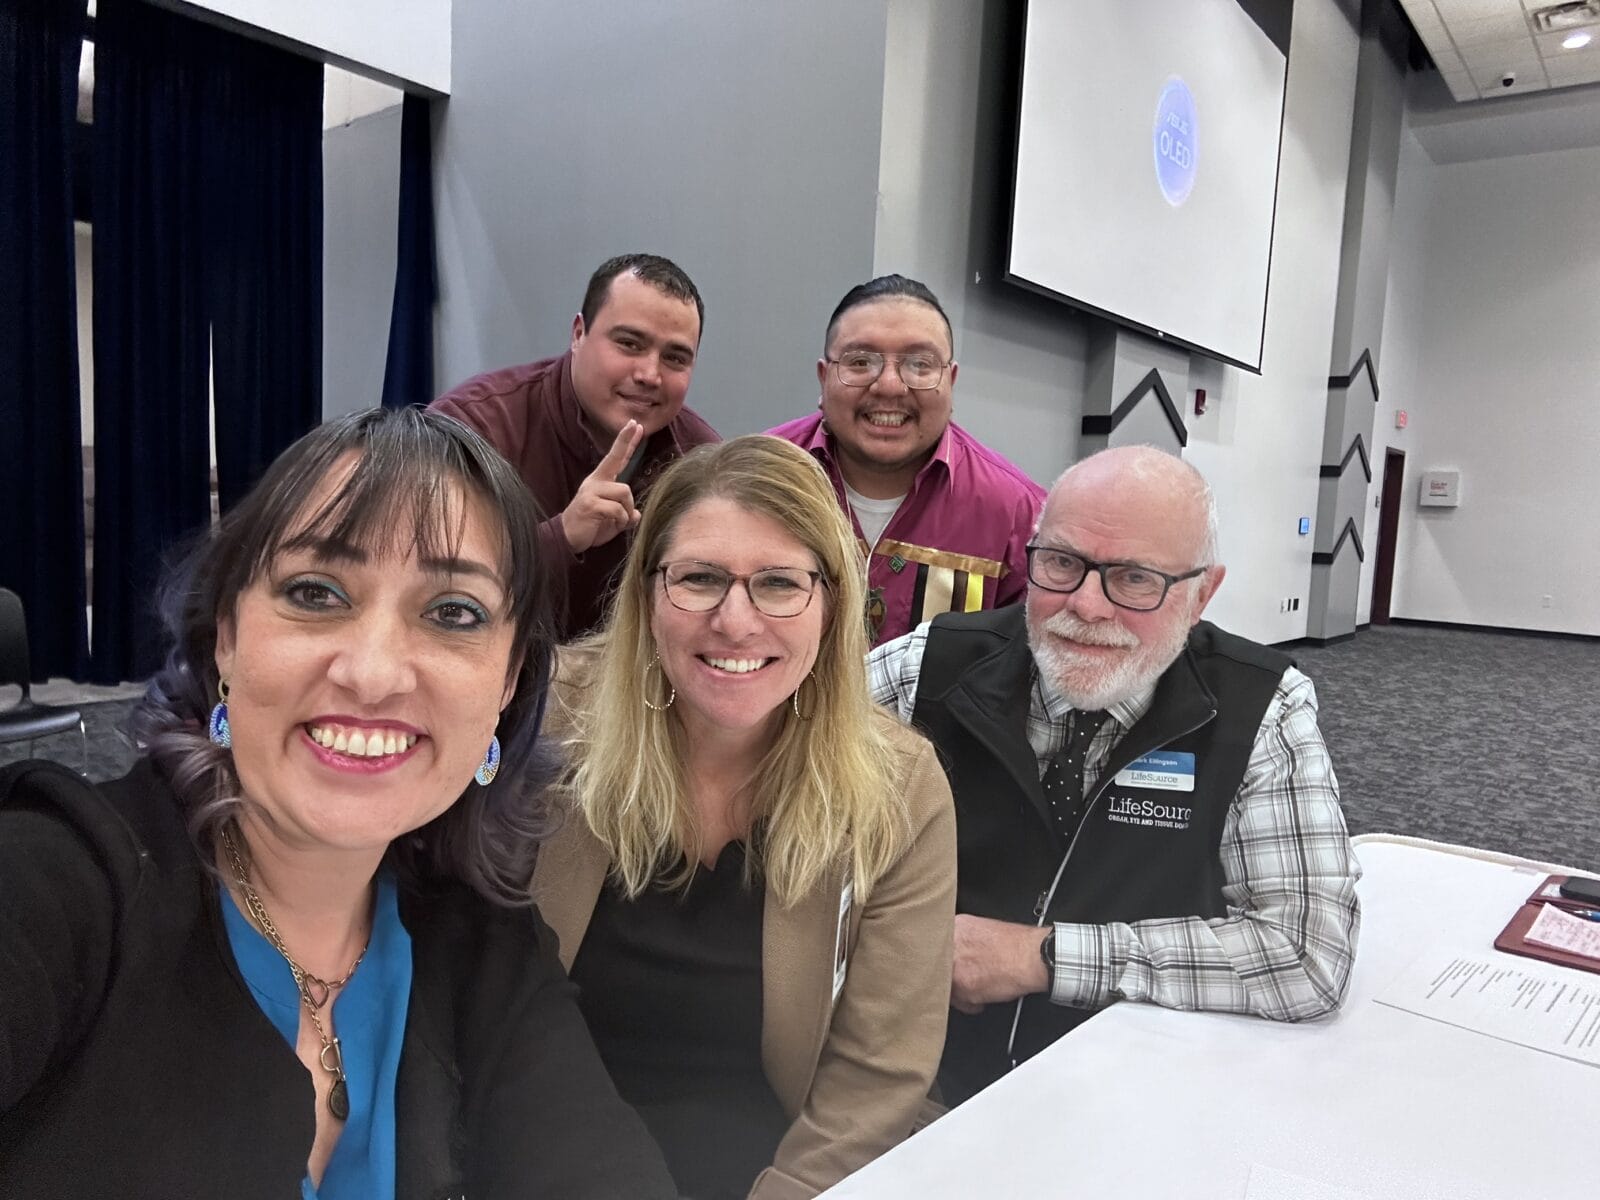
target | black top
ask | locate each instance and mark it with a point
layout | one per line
(134, 1060)
(670, 984)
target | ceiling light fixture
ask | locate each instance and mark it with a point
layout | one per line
(1576, 41)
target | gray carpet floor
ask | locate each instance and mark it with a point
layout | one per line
(1482, 739)
(110, 754)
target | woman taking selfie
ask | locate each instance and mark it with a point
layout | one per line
(291, 953)
(755, 890)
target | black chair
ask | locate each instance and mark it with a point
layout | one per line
(27, 721)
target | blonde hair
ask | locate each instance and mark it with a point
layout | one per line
(826, 788)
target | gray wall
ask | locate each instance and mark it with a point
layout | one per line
(1369, 203)
(1023, 382)
(740, 139)
(1342, 546)
(785, 152)
(942, 217)
(361, 198)
(1489, 346)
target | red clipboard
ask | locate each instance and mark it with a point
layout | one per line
(1513, 938)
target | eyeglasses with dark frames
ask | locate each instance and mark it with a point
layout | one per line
(1127, 585)
(920, 372)
(700, 587)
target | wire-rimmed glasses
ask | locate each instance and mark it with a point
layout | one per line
(920, 372)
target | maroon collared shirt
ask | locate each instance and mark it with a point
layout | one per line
(958, 543)
(530, 413)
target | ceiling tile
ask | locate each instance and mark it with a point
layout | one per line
(1500, 28)
(1476, 10)
(1436, 40)
(1475, 43)
(1566, 74)
(1423, 16)
(1530, 77)
(1447, 58)
(1482, 60)
(1468, 10)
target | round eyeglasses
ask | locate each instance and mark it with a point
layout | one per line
(861, 368)
(1127, 585)
(699, 587)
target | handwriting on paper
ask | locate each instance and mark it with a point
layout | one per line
(1561, 930)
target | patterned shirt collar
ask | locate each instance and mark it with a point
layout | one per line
(1056, 708)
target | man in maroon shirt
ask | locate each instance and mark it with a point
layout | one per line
(591, 429)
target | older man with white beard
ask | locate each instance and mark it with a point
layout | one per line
(1145, 806)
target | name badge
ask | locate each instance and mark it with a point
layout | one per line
(1163, 770)
(841, 936)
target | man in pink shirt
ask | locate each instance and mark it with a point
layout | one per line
(944, 519)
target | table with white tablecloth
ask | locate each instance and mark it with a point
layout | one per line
(1145, 1103)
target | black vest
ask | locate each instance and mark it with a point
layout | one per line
(1141, 852)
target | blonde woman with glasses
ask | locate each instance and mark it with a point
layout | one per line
(755, 889)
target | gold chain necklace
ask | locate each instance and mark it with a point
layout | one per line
(314, 992)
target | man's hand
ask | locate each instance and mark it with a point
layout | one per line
(995, 961)
(603, 507)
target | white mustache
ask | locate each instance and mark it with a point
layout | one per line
(1090, 633)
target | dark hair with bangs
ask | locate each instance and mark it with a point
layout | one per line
(408, 461)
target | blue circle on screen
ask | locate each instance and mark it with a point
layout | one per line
(1176, 141)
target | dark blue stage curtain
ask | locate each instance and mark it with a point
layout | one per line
(208, 250)
(264, 212)
(150, 327)
(41, 460)
(408, 371)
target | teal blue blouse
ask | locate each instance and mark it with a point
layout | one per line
(369, 1017)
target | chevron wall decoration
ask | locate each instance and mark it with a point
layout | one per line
(1342, 502)
(1343, 493)
(1357, 447)
(1152, 384)
(1130, 384)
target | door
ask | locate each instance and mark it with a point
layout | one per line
(1394, 469)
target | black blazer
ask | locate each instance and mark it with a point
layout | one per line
(134, 1061)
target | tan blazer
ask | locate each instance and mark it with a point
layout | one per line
(851, 1074)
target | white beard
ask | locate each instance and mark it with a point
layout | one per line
(1086, 681)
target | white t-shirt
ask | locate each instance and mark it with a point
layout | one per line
(873, 515)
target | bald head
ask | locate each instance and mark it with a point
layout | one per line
(1144, 487)
(1139, 509)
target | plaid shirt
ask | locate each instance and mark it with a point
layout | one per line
(1285, 949)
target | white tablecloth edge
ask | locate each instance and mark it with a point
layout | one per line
(1493, 856)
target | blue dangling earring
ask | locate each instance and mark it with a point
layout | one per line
(218, 729)
(490, 766)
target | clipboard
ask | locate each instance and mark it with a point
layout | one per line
(1513, 938)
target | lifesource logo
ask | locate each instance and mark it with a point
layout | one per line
(1176, 141)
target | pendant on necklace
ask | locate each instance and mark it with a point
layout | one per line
(339, 1100)
(314, 992)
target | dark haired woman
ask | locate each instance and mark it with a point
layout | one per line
(291, 952)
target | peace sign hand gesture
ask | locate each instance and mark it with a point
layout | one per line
(603, 507)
